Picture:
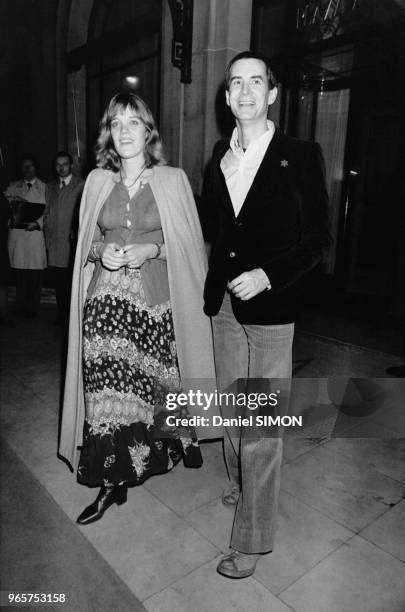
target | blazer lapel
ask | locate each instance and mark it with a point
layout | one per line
(74, 181)
(54, 187)
(69, 187)
(225, 193)
(221, 184)
(268, 173)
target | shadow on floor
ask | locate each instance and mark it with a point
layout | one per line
(42, 551)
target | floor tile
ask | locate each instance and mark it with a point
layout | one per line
(165, 541)
(367, 333)
(33, 438)
(147, 544)
(213, 521)
(325, 356)
(185, 489)
(388, 531)
(358, 577)
(386, 455)
(346, 490)
(44, 383)
(294, 447)
(373, 400)
(62, 485)
(393, 414)
(43, 552)
(15, 399)
(304, 537)
(204, 590)
(331, 407)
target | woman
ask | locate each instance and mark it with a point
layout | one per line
(136, 311)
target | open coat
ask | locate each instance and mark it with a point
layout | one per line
(187, 267)
(59, 216)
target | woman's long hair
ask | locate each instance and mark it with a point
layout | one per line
(106, 155)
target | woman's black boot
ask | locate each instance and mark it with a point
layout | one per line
(106, 497)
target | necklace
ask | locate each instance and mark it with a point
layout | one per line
(136, 178)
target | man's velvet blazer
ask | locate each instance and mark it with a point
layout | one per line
(282, 228)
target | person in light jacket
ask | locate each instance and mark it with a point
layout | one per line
(26, 246)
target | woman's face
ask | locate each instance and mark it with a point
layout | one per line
(129, 134)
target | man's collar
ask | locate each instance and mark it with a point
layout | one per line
(30, 181)
(268, 134)
(65, 179)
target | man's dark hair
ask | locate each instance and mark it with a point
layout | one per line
(29, 157)
(251, 55)
(63, 154)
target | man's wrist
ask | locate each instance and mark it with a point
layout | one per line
(264, 278)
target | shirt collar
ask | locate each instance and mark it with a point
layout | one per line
(257, 143)
(32, 182)
(65, 179)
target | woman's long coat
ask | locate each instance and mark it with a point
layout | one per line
(187, 268)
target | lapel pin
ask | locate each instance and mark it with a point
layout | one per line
(284, 163)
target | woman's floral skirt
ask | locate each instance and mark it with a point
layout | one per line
(129, 364)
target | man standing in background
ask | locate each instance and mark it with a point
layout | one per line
(62, 200)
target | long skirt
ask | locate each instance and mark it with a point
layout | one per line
(129, 364)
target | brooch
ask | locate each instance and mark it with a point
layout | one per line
(284, 163)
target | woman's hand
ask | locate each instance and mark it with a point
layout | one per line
(113, 256)
(137, 254)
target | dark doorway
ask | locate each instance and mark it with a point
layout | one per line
(124, 40)
(343, 85)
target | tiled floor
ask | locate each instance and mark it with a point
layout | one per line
(340, 544)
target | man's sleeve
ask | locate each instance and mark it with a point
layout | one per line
(315, 237)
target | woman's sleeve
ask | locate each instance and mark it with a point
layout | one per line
(98, 237)
(190, 210)
(96, 243)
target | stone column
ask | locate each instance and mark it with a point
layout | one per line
(189, 125)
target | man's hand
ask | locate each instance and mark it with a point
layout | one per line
(248, 284)
(31, 227)
(112, 256)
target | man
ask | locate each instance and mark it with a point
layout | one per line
(26, 245)
(268, 225)
(62, 199)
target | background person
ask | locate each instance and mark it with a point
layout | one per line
(26, 247)
(137, 295)
(62, 199)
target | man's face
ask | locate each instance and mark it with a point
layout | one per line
(249, 94)
(63, 167)
(28, 169)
